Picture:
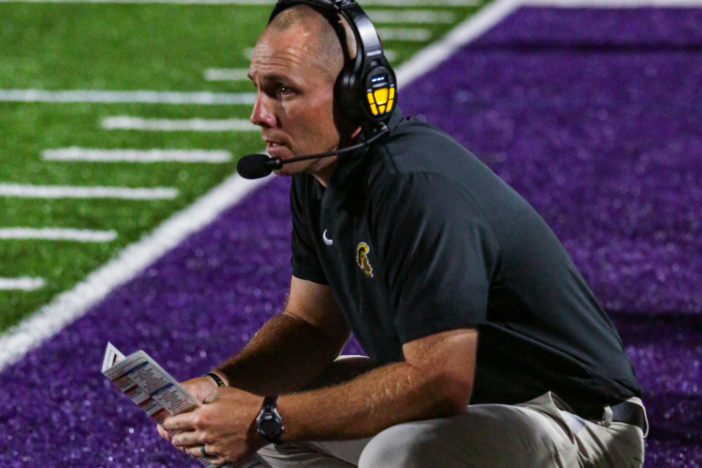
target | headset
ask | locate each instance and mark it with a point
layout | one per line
(366, 86)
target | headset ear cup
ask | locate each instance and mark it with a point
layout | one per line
(346, 95)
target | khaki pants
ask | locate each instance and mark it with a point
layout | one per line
(538, 433)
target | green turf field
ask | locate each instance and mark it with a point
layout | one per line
(119, 47)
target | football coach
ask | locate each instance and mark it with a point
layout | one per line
(486, 348)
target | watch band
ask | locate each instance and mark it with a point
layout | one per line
(269, 403)
(218, 380)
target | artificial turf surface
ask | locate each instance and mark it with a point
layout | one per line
(117, 47)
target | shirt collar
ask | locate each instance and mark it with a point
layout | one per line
(347, 185)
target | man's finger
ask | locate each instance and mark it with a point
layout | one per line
(188, 439)
(197, 451)
(163, 433)
(180, 422)
(211, 397)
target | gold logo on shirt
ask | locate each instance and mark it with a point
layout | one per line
(362, 259)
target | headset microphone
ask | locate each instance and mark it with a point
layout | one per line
(255, 166)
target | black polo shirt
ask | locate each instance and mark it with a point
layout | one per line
(416, 236)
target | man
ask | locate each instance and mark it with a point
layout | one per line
(486, 346)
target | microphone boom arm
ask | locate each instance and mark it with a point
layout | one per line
(277, 163)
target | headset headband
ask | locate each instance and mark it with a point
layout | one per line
(367, 83)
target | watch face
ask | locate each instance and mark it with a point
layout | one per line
(269, 427)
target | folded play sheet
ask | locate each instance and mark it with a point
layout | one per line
(156, 392)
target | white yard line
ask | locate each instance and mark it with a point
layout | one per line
(404, 34)
(20, 284)
(146, 97)
(124, 122)
(412, 16)
(226, 74)
(60, 191)
(137, 156)
(390, 54)
(58, 234)
(72, 304)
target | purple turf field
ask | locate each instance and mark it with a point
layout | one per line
(595, 116)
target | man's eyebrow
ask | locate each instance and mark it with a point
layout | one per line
(276, 77)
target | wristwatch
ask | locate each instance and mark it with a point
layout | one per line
(269, 422)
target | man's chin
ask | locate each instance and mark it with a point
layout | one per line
(295, 168)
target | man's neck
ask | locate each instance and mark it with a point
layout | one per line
(325, 173)
(324, 170)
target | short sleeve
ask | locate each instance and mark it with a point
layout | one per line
(438, 252)
(305, 261)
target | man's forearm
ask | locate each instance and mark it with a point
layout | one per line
(284, 356)
(363, 407)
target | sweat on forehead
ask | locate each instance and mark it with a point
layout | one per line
(327, 45)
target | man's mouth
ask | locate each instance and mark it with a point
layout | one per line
(274, 148)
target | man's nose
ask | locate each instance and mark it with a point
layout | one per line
(263, 114)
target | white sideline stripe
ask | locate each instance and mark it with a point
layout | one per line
(72, 304)
(411, 16)
(60, 191)
(404, 34)
(22, 284)
(60, 234)
(226, 74)
(124, 122)
(431, 56)
(142, 97)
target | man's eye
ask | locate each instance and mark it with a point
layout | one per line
(285, 90)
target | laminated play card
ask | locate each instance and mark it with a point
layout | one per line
(153, 389)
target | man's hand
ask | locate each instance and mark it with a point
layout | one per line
(225, 425)
(200, 388)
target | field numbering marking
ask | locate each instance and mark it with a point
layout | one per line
(22, 284)
(58, 234)
(60, 191)
(174, 125)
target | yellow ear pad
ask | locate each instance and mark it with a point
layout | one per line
(381, 95)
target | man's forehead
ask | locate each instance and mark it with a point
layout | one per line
(294, 48)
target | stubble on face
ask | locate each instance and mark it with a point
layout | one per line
(294, 68)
